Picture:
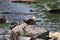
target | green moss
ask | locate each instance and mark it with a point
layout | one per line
(4, 25)
(23, 33)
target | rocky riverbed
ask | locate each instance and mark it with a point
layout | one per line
(7, 37)
(5, 34)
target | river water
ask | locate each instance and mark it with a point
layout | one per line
(50, 21)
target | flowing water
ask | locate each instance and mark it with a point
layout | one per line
(50, 21)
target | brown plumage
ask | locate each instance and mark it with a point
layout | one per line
(30, 21)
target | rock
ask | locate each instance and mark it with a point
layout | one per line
(32, 30)
(20, 37)
(5, 37)
(54, 35)
(2, 19)
(19, 28)
(26, 38)
(35, 31)
(4, 31)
